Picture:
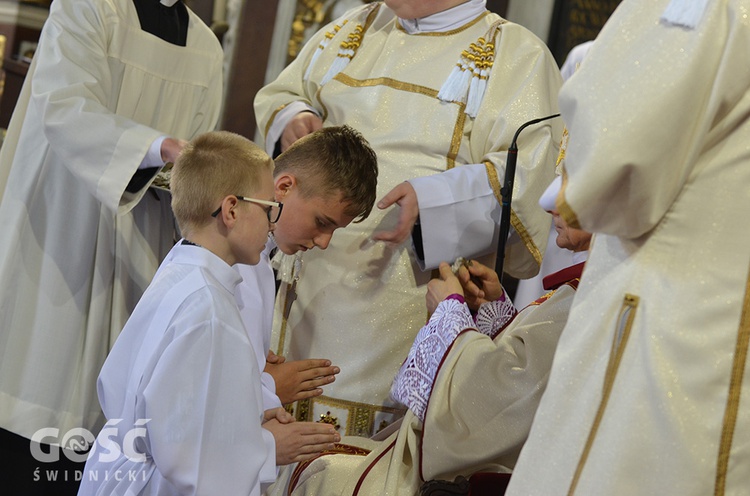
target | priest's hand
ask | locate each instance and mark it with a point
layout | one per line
(300, 126)
(406, 198)
(171, 149)
(480, 284)
(301, 379)
(442, 287)
(300, 441)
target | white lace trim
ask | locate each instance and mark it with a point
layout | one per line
(493, 316)
(413, 383)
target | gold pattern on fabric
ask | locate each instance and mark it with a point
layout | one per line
(452, 31)
(527, 239)
(624, 321)
(392, 83)
(360, 419)
(733, 400)
(327, 418)
(361, 423)
(565, 210)
(458, 132)
(563, 147)
(304, 410)
(383, 81)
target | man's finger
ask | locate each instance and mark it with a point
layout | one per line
(445, 271)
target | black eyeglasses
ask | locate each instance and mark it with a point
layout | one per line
(273, 212)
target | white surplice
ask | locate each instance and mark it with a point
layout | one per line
(255, 296)
(185, 364)
(77, 251)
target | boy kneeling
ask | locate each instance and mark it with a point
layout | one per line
(181, 388)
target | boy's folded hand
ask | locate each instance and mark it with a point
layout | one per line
(300, 441)
(301, 379)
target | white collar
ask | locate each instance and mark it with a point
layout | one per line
(445, 21)
(168, 3)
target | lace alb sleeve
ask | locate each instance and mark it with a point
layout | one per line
(413, 383)
(493, 316)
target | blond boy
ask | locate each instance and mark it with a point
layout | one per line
(181, 387)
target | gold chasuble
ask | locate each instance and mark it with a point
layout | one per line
(361, 303)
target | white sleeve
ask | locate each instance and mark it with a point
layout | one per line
(281, 120)
(70, 85)
(153, 157)
(270, 400)
(458, 215)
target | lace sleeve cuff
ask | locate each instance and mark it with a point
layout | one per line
(413, 383)
(493, 316)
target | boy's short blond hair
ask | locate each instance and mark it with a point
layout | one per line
(210, 167)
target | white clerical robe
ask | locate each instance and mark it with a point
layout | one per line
(184, 372)
(255, 297)
(76, 251)
(478, 414)
(650, 389)
(362, 302)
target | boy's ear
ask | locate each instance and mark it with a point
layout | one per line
(283, 184)
(229, 210)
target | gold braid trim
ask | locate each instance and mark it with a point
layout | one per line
(518, 226)
(565, 210)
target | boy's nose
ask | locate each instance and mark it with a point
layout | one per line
(322, 241)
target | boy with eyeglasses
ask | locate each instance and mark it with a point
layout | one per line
(181, 389)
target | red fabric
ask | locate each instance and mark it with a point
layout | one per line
(488, 484)
(557, 279)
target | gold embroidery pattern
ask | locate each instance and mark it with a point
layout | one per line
(620, 340)
(304, 410)
(360, 416)
(327, 418)
(362, 422)
(733, 400)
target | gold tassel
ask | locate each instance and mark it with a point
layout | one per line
(322, 46)
(467, 82)
(347, 50)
